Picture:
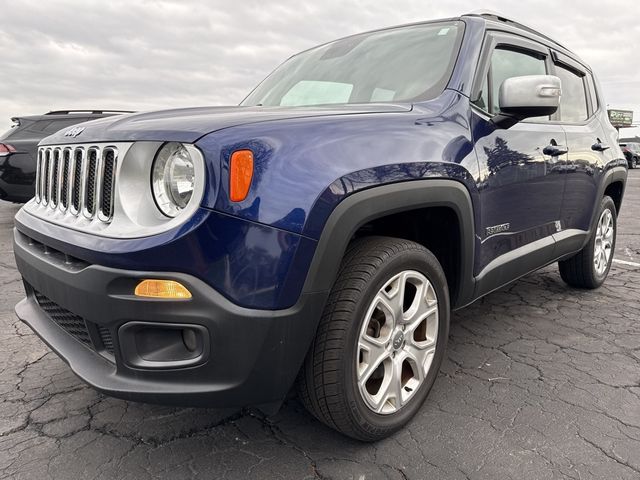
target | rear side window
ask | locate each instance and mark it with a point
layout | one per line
(573, 102)
(32, 129)
(38, 129)
(595, 103)
(8, 133)
(18, 130)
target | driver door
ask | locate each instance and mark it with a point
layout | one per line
(521, 185)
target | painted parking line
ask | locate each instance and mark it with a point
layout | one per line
(625, 262)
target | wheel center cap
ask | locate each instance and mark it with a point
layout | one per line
(397, 340)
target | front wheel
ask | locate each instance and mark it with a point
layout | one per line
(590, 266)
(380, 341)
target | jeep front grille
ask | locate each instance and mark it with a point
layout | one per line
(77, 180)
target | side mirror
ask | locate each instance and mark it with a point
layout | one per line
(527, 96)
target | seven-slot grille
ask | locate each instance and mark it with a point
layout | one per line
(77, 180)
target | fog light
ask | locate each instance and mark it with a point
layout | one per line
(163, 345)
(162, 289)
(190, 339)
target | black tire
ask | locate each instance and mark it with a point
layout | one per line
(327, 384)
(634, 162)
(579, 271)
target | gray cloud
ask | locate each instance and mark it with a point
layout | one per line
(156, 54)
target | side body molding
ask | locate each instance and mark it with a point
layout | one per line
(367, 205)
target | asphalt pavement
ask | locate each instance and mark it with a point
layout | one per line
(540, 381)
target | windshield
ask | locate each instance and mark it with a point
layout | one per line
(399, 64)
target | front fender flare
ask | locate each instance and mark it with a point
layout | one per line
(367, 205)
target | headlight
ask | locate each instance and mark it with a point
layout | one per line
(172, 178)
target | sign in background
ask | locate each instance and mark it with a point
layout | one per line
(621, 118)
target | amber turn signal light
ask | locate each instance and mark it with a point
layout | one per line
(162, 289)
(240, 174)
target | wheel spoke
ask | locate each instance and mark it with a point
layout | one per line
(424, 316)
(379, 400)
(387, 307)
(393, 295)
(420, 306)
(394, 392)
(372, 355)
(608, 236)
(421, 354)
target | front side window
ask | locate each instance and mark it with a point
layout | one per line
(573, 102)
(400, 64)
(507, 62)
(510, 63)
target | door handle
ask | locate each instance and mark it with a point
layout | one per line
(555, 150)
(599, 147)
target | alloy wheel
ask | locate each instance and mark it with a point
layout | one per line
(604, 242)
(397, 342)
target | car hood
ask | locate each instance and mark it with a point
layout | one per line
(189, 124)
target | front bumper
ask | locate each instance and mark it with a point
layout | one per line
(253, 355)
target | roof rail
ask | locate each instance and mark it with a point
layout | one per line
(496, 16)
(98, 112)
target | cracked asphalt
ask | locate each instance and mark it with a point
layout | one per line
(541, 381)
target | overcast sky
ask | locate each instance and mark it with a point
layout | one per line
(144, 55)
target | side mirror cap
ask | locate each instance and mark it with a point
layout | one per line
(527, 96)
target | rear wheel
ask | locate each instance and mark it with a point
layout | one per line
(589, 267)
(380, 341)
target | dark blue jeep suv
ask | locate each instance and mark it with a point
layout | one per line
(320, 233)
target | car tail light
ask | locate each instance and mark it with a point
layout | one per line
(6, 149)
(240, 174)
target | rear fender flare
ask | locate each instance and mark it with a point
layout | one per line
(613, 175)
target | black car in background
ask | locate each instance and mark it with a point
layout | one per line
(18, 147)
(631, 152)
